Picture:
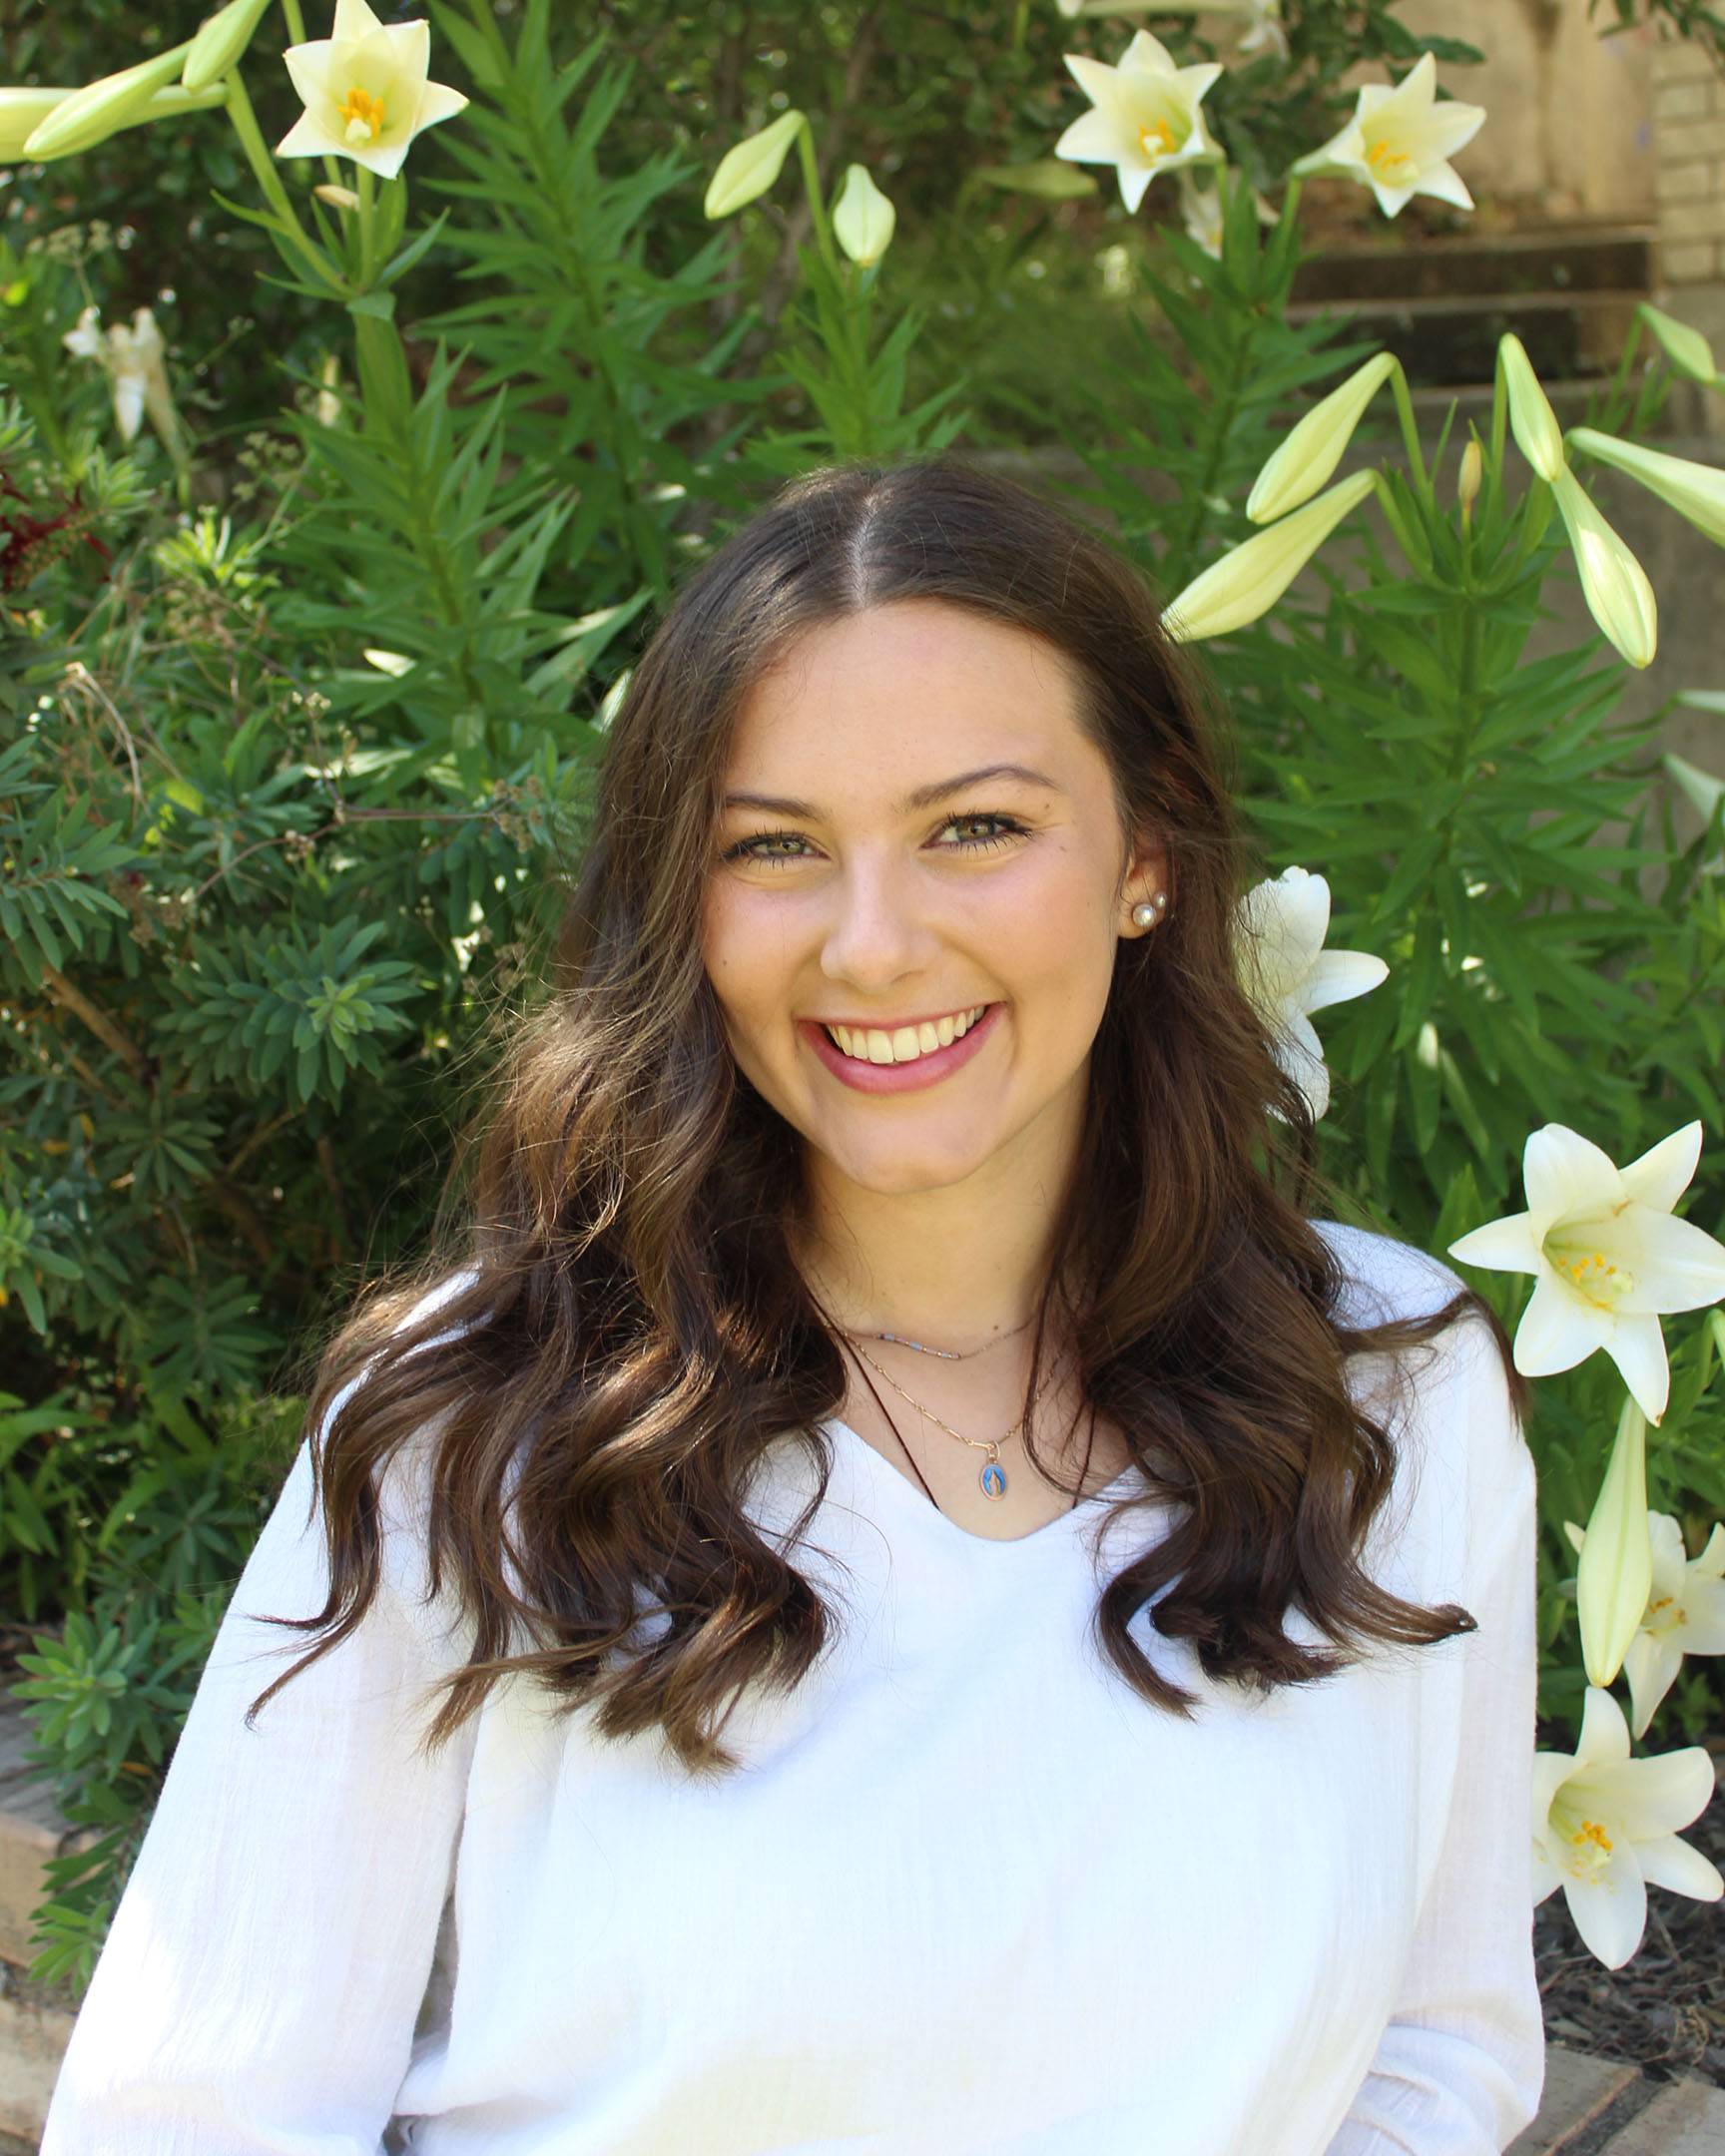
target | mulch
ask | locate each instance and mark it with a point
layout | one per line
(1665, 2010)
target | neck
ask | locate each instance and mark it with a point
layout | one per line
(953, 1267)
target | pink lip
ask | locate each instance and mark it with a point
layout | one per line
(926, 1070)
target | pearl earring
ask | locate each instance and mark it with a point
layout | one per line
(1149, 912)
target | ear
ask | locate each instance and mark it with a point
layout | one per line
(1147, 878)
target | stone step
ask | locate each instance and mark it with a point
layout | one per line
(1442, 306)
(1601, 2107)
(1574, 259)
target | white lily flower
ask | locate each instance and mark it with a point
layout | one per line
(1146, 119)
(1695, 491)
(1280, 926)
(1685, 1612)
(1249, 577)
(1615, 586)
(1604, 1830)
(1607, 1255)
(132, 359)
(863, 218)
(1399, 140)
(364, 90)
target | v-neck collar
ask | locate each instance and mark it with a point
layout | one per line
(939, 1523)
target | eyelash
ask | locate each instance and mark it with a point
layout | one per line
(743, 849)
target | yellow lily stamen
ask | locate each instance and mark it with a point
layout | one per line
(1591, 1845)
(363, 115)
(1390, 164)
(1157, 139)
(1596, 1277)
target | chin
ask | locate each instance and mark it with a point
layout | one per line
(900, 1171)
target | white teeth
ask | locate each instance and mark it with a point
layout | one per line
(872, 1044)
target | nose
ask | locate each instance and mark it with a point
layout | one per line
(879, 932)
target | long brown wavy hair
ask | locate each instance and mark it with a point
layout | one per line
(622, 1332)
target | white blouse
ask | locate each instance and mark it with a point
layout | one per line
(971, 1896)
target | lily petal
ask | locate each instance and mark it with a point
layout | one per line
(1559, 1329)
(1674, 1862)
(1508, 1245)
(1567, 1173)
(1661, 1175)
(1610, 1912)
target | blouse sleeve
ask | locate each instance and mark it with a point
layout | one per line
(260, 1983)
(1461, 2065)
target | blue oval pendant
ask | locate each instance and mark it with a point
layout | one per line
(993, 1480)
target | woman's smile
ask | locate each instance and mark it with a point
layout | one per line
(903, 1058)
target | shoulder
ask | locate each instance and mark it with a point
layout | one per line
(403, 1475)
(1385, 1278)
(1462, 1422)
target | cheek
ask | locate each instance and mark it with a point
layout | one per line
(743, 950)
(1053, 922)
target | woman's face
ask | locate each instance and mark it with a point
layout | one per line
(919, 850)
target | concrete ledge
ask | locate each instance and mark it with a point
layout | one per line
(1580, 2091)
(1601, 2107)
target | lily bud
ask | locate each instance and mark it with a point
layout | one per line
(1531, 419)
(1467, 479)
(101, 109)
(863, 218)
(1701, 787)
(222, 41)
(1248, 581)
(1615, 1574)
(22, 112)
(1695, 491)
(1613, 582)
(749, 169)
(1703, 792)
(1046, 178)
(1304, 462)
(337, 196)
(1687, 349)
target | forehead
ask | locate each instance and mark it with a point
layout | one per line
(901, 687)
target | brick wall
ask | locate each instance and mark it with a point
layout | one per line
(1689, 143)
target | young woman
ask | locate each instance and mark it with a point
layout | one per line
(887, 1327)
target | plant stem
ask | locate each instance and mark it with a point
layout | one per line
(1410, 436)
(816, 208)
(262, 165)
(367, 225)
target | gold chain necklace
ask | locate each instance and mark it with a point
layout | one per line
(992, 1476)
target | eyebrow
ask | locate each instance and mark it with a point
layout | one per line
(922, 797)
